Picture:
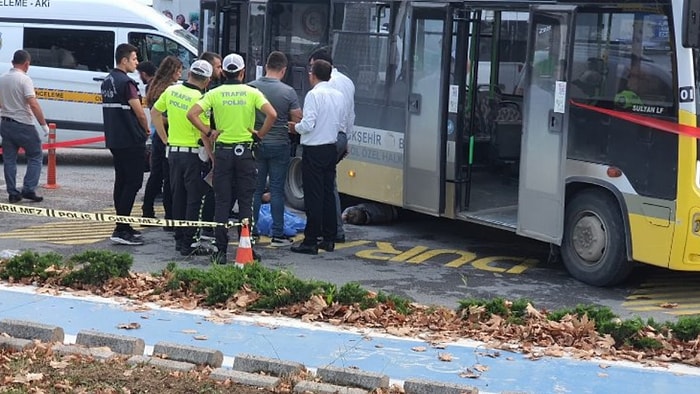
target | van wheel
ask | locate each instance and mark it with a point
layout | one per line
(593, 249)
(293, 191)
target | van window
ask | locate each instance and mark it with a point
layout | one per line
(91, 50)
(155, 48)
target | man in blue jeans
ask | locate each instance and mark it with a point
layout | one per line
(18, 108)
(272, 154)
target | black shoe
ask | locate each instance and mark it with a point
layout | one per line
(305, 249)
(328, 246)
(148, 214)
(135, 233)
(125, 238)
(339, 239)
(14, 198)
(32, 196)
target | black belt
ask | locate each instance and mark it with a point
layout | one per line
(186, 149)
(6, 119)
(223, 145)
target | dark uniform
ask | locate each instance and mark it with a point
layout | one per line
(126, 139)
(186, 181)
(233, 105)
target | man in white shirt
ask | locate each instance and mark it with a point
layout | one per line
(344, 85)
(323, 118)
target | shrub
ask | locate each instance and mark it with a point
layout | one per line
(30, 265)
(95, 267)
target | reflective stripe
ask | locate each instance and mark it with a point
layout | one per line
(116, 105)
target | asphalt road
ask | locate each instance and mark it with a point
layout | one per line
(430, 260)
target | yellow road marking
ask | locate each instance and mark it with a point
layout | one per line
(675, 288)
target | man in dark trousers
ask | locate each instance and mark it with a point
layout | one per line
(186, 181)
(272, 154)
(18, 108)
(233, 106)
(344, 85)
(323, 118)
(126, 131)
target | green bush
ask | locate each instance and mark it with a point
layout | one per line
(351, 293)
(30, 265)
(687, 328)
(95, 267)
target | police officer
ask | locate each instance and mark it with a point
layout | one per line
(233, 105)
(186, 181)
(126, 131)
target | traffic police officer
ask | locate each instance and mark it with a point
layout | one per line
(186, 182)
(233, 105)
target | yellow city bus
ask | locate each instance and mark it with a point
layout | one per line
(569, 122)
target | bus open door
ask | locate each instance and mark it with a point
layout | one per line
(541, 193)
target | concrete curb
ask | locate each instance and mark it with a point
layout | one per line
(253, 364)
(32, 330)
(245, 368)
(250, 379)
(117, 343)
(16, 344)
(420, 386)
(191, 354)
(353, 377)
(325, 388)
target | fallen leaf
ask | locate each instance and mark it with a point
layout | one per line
(33, 377)
(200, 337)
(481, 368)
(446, 357)
(59, 364)
(468, 373)
(418, 348)
(189, 331)
(129, 326)
(602, 375)
(603, 366)
(669, 305)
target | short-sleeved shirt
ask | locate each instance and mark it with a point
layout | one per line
(233, 106)
(283, 99)
(15, 88)
(177, 100)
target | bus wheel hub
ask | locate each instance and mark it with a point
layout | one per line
(589, 238)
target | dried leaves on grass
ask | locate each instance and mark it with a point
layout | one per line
(534, 335)
(41, 371)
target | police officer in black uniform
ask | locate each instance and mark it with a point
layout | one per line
(126, 131)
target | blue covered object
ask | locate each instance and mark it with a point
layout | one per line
(293, 224)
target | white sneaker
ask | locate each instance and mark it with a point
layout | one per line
(280, 242)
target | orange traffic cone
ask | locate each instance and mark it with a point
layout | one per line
(244, 253)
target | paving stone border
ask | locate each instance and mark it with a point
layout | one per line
(246, 368)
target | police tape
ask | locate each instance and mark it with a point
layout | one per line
(106, 217)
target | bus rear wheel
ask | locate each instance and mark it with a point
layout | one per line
(293, 191)
(593, 249)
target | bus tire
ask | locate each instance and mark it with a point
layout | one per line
(293, 191)
(593, 249)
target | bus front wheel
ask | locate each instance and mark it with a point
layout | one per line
(293, 191)
(593, 249)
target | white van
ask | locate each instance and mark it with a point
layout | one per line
(72, 44)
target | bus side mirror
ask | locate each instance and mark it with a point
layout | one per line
(691, 24)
